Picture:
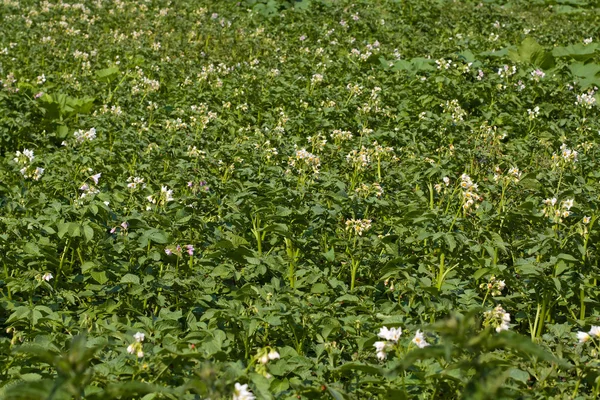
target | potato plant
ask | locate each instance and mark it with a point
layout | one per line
(277, 199)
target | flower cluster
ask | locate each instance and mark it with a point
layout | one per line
(262, 358)
(507, 71)
(317, 141)
(364, 190)
(379, 151)
(268, 151)
(566, 156)
(358, 226)
(494, 286)
(513, 175)
(123, 228)
(469, 192)
(556, 214)
(438, 186)
(25, 159)
(359, 159)
(533, 114)
(497, 318)
(85, 136)
(178, 250)
(133, 182)
(537, 74)
(391, 337)
(163, 197)
(304, 161)
(452, 107)
(586, 336)
(136, 347)
(587, 100)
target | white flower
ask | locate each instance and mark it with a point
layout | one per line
(273, 355)
(381, 348)
(131, 348)
(419, 339)
(139, 337)
(586, 220)
(595, 331)
(166, 193)
(264, 359)
(583, 337)
(241, 392)
(47, 276)
(140, 354)
(390, 334)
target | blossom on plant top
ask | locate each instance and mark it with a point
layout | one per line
(457, 113)
(507, 71)
(595, 331)
(304, 161)
(419, 339)
(588, 41)
(381, 349)
(583, 336)
(469, 192)
(497, 318)
(537, 74)
(166, 194)
(96, 177)
(494, 286)
(47, 276)
(241, 392)
(136, 347)
(135, 181)
(586, 220)
(358, 226)
(533, 114)
(359, 158)
(392, 334)
(83, 136)
(273, 355)
(22, 157)
(566, 157)
(586, 100)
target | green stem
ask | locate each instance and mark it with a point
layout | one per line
(441, 272)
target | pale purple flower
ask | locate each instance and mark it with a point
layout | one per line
(190, 249)
(96, 177)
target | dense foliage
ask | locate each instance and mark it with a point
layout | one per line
(346, 199)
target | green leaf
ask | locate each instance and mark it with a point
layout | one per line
(107, 74)
(356, 366)
(99, 276)
(530, 51)
(130, 278)
(88, 233)
(319, 288)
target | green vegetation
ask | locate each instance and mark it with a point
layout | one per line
(299, 199)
